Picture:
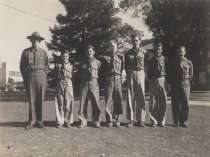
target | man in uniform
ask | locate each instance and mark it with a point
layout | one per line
(134, 66)
(181, 75)
(114, 69)
(34, 69)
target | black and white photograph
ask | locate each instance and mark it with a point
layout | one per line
(105, 78)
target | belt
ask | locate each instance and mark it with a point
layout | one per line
(114, 75)
(36, 71)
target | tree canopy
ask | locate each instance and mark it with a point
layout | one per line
(87, 21)
(176, 22)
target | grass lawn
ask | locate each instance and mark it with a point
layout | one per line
(193, 141)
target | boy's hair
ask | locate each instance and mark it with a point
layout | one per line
(135, 35)
(90, 47)
(181, 47)
(157, 44)
(65, 52)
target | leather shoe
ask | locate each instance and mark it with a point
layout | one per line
(40, 125)
(67, 125)
(116, 124)
(160, 125)
(129, 125)
(28, 126)
(184, 125)
(59, 126)
(140, 124)
(81, 126)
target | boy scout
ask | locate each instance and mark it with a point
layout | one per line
(34, 69)
(182, 73)
(64, 99)
(156, 76)
(134, 66)
(114, 67)
(89, 88)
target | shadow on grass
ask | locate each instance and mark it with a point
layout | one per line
(12, 124)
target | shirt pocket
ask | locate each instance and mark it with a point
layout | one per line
(40, 63)
(94, 72)
(185, 69)
(31, 61)
(140, 60)
(131, 58)
(117, 65)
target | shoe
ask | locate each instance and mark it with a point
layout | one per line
(67, 125)
(109, 125)
(184, 125)
(129, 125)
(176, 124)
(153, 125)
(97, 126)
(116, 124)
(140, 124)
(81, 126)
(160, 125)
(59, 126)
(28, 126)
(40, 125)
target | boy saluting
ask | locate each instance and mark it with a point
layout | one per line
(114, 69)
(64, 99)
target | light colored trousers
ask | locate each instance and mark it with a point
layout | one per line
(135, 95)
(89, 89)
(158, 100)
(64, 101)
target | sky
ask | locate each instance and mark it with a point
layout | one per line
(17, 25)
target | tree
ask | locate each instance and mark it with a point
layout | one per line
(87, 21)
(177, 23)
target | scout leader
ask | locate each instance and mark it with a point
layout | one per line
(182, 74)
(64, 99)
(34, 69)
(134, 66)
(114, 67)
(89, 88)
(158, 97)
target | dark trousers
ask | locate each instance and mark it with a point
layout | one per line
(180, 102)
(113, 94)
(89, 89)
(35, 85)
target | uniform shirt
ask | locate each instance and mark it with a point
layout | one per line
(89, 69)
(114, 64)
(182, 70)
(32, 60)
(156, 67)
(134, 59)
(64, 71)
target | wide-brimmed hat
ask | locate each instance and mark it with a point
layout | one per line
(35, 35)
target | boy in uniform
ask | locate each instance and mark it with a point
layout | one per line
(182, 74)
(64, 99)
(134, 66)
(114, 68)
(158, 97)
(89, 88)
